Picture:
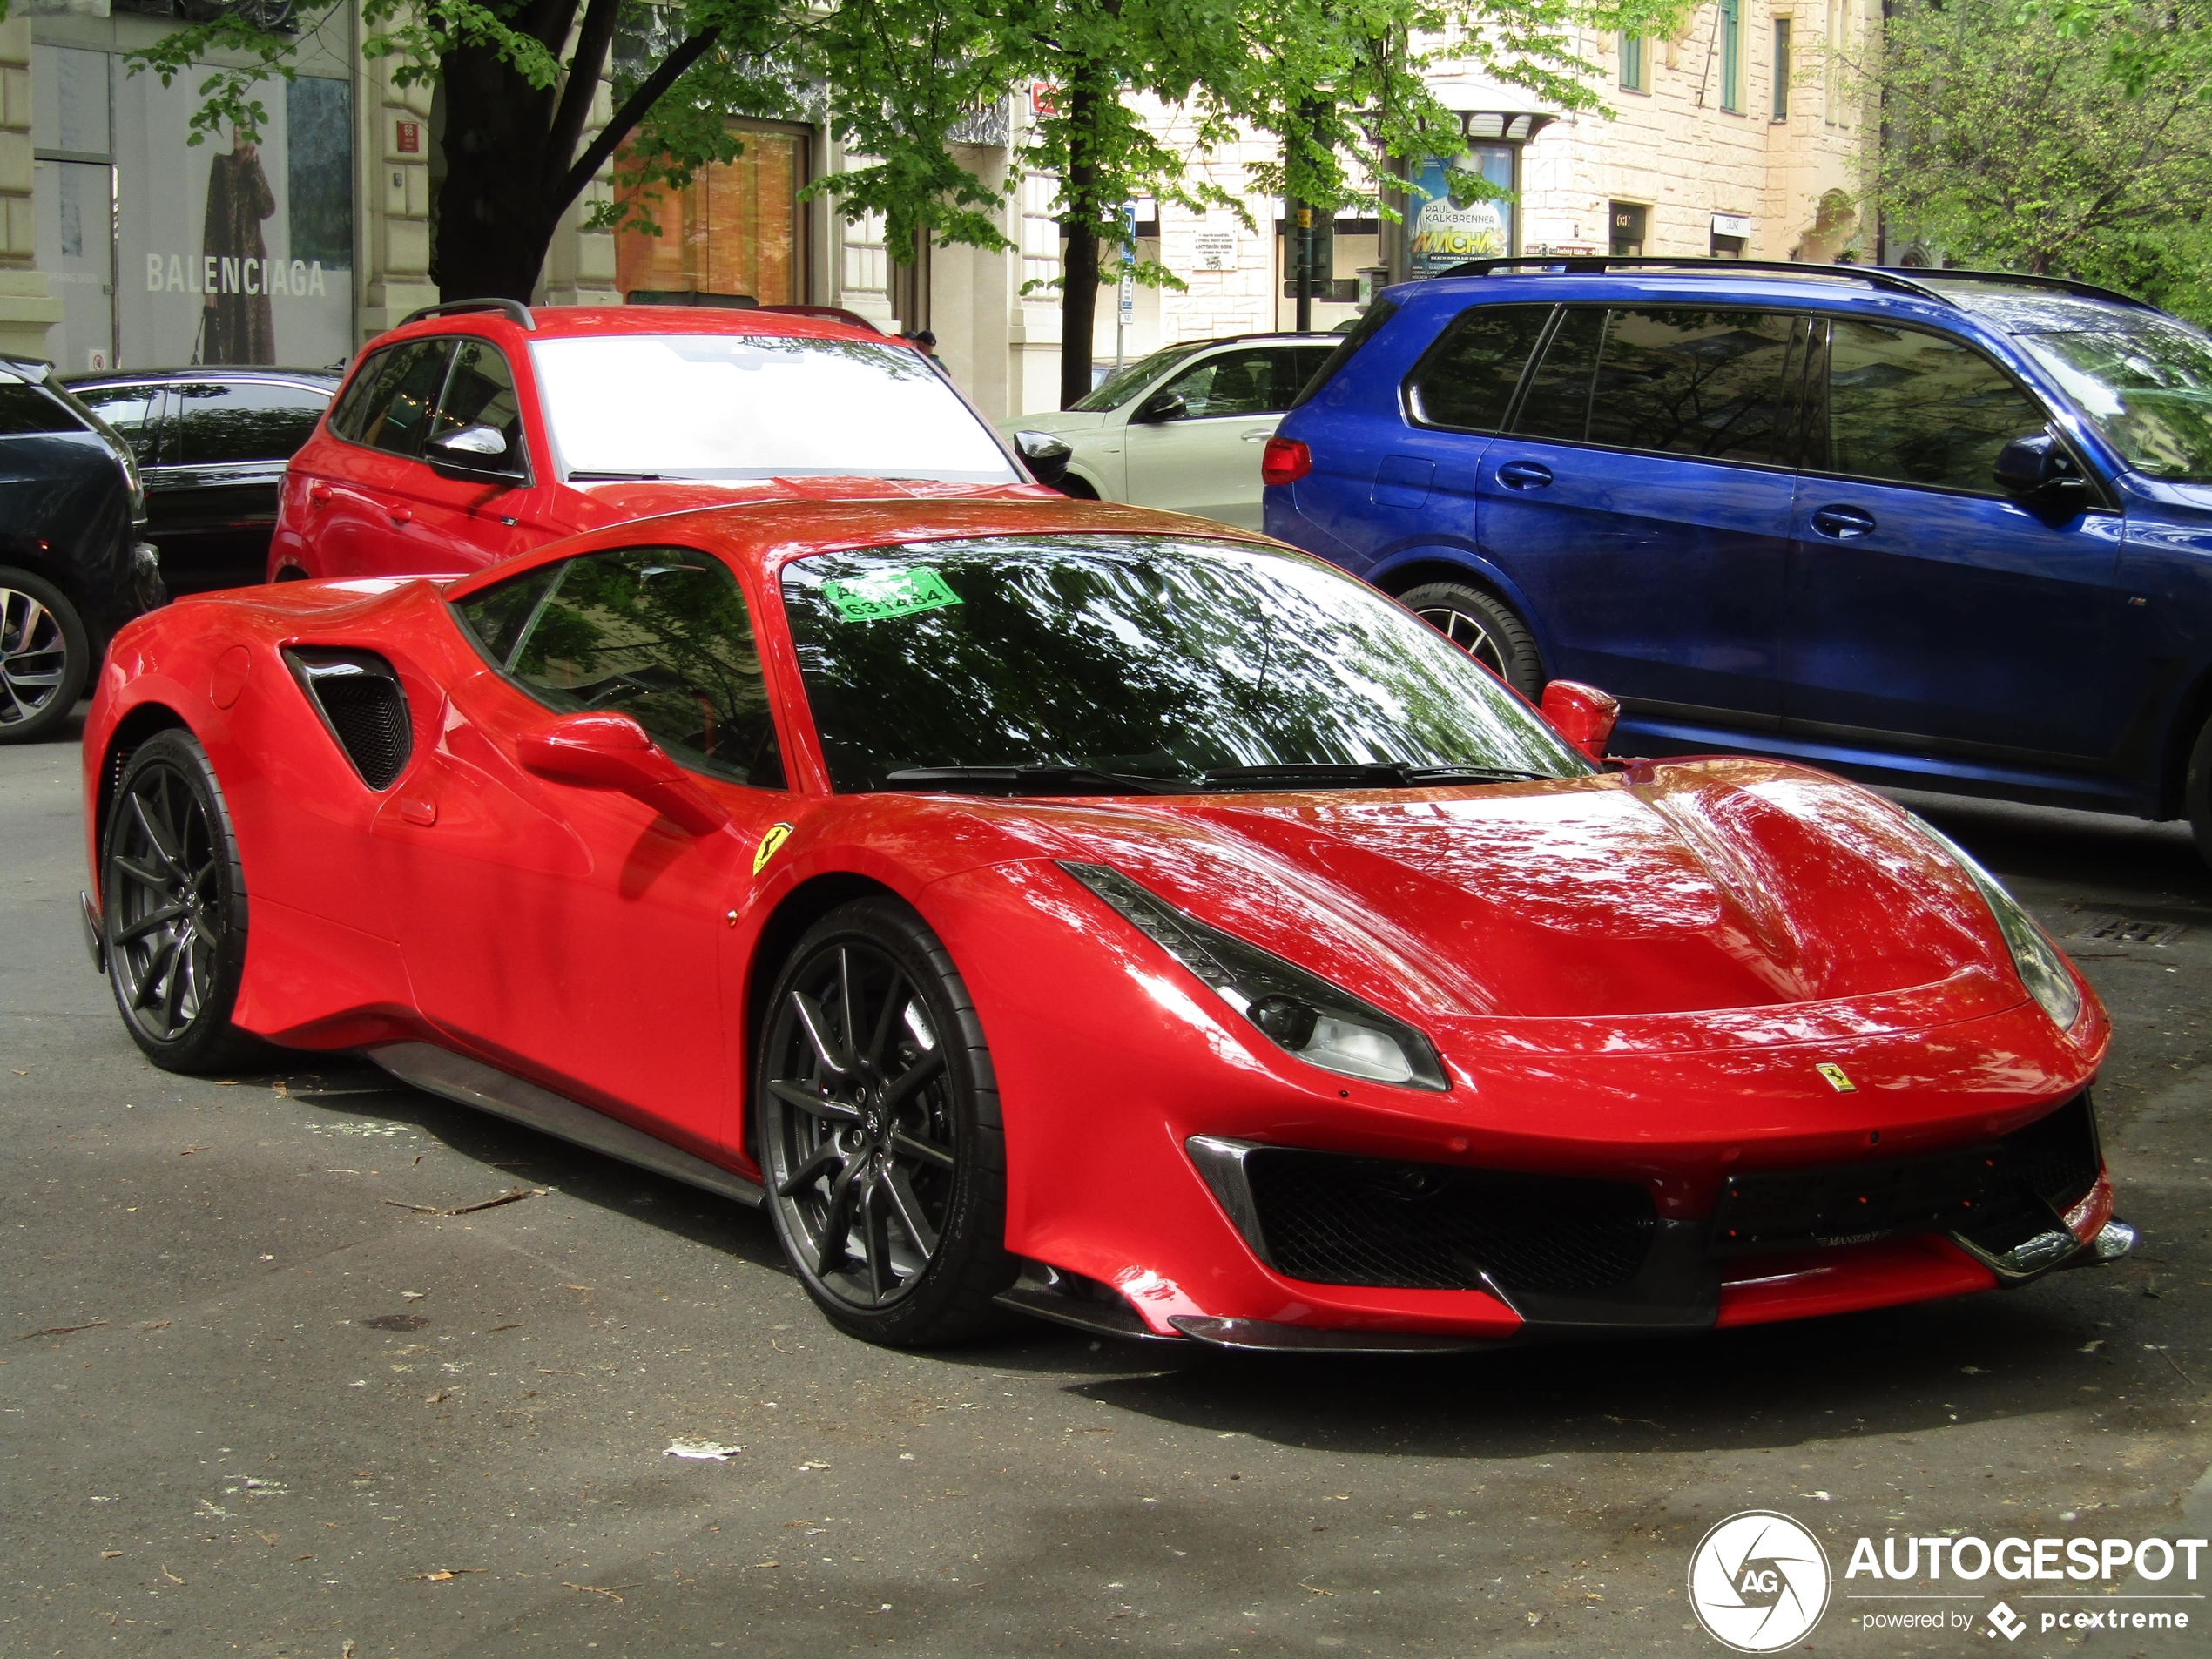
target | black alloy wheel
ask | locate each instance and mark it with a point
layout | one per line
(173, 907)
(1484, 627)
(45, 656)
(879, 1129)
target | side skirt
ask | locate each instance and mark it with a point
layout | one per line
(470, 1082)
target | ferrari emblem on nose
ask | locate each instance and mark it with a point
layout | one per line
(777, 835)
(1838, 1078)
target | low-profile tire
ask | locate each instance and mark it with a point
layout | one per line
(1485, 627)
(172, 908)
(45, 656)
(2196, 792)
(880, 1143)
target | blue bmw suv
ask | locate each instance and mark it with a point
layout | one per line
(1938, 530)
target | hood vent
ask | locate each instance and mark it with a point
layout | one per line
(359, 697)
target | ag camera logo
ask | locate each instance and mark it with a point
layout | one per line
(1758, 1581)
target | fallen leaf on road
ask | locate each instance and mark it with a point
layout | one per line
(109, 1555)
(444, 1574)
(171, 1577)
(189, 1151)
(814, 1463)
(269, 1538)
(577, 1287)
(1315, 1589)
(157, 1324)
(714, 1450)
(62, 1330)
(607, 1590)
(296, 1560)
(438, 1399)
(757, 1566)
(412, 1296)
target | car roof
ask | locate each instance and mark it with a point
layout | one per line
(507, 320)
(326, 377)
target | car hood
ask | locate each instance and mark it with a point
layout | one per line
(1708, 886)
(1063, 422)
(619, 500)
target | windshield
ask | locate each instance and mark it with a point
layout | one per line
(1139, 661)
(1125, 383)
(2148, 390)
(737, 406)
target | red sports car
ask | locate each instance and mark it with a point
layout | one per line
(1118, 917)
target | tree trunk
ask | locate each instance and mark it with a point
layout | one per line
(1079, 268)
(492, 225)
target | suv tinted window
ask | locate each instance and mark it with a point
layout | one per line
(661, 634)
(134, 411)
(1691, 381)
(1557, 403)
(1915, 407)
(481, 392)
(1370, 324)
(397, 389)
(1468, 381)
(25, 410)
(221, 422)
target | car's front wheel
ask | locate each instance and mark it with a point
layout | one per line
(172, 907)
(1485, 627)
(880, 1134)
(45, 655)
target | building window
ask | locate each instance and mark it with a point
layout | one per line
(1628, 220)
(1782, 69)
(1732, 55)
(1632, 64)
(736, 228)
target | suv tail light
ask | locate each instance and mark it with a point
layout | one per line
(1285, 462)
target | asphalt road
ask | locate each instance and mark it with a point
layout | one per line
(258, 1395)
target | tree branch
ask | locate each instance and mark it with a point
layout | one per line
(584, 64)
(625, 122)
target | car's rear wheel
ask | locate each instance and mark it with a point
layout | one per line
(879, 1129)
(1485, 627)
(45, 654)
(173, 907)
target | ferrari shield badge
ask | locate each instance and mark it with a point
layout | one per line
(773, 839)
(1838, 1079)
(889, 593)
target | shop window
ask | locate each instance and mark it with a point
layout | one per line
(736, 228)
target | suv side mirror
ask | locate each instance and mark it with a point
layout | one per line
(1048, 456)
(1164, 406)
(613, 752)
(1582, 714)
(2037, 466)
(476, 452)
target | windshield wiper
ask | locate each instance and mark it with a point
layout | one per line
(612, 478)
(1028, 781)
(1387, 774)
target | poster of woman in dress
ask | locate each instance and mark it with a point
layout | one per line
(240, 326)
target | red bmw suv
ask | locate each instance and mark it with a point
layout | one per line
(478, 430)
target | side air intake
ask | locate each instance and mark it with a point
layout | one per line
(359, 699)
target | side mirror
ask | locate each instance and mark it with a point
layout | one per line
(1048, 456)
(2037, 465)
(612, 751)
(1164, 406)
(1582, 714)
(475, 452)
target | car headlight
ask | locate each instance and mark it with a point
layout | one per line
(2042, 970)
(1301, 1012)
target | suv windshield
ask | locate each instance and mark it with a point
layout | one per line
(2149, 389)
(740, 406)
(1125, 383)
(1102, 664)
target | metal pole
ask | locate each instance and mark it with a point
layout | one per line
(1304, 268)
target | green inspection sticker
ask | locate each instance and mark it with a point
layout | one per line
(889, 593)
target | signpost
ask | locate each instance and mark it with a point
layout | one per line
(1125, 317)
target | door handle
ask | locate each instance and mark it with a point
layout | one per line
(1260, 436)
(1845, 524)
(401, 513)
(1524, 474)
(319, 493)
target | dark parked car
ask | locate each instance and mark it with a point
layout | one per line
(73, 568)
(1933, 529)
(212, 445)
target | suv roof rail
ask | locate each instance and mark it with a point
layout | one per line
(515, 309)
(1598, 264)
(2027, 279)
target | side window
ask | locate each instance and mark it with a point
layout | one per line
(345, 420)
(222, 422)
(134, 411)
(1557, 402)
(481, 392)
(1468, 380)
(398, 390)
(25, 410)
(659, 633)
(1306, 363)
(1692, 383)
(1913, 408)
(1234, 382)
